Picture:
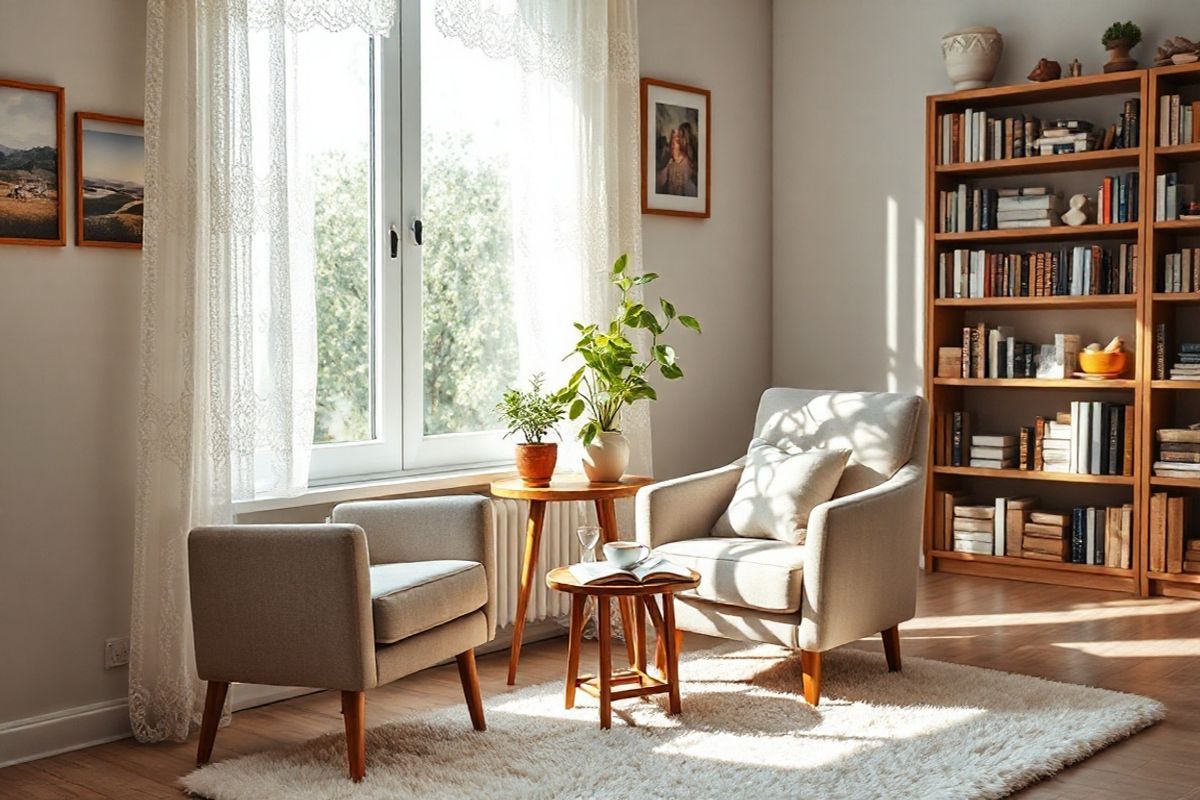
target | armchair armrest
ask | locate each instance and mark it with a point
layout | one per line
(861, 561)
(285, 605)
(684, 508)
(429, 529)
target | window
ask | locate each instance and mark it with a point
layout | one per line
(409, 137)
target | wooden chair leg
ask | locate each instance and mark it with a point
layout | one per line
(891, 647)
(354, 714)
(810, 664)
(214, 704)
(470, 685)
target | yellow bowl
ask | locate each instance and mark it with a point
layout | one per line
(1101, 363)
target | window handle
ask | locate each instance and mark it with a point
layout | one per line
(395, 240)
(417, 228)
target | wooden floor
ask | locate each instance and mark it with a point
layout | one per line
(1147, 646)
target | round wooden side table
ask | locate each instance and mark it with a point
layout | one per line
(563, 488)
(643, 598)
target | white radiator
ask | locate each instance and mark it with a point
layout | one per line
(559, 546)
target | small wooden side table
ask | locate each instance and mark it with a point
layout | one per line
(563, 488)
(601, 686)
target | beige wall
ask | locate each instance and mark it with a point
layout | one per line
(717, 269)
(68, 356)
(849, 84)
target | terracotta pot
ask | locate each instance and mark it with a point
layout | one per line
(535, 462)
(971, 56)
(1119, 59)
(606, 458)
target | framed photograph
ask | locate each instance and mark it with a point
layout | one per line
(676, 149)
(110, 157)
(31, 164)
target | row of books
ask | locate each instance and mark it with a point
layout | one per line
(1170, 548)
(996, 353)
(1093, 438)
(1170, 196)
(1180, 272)
(1067, 271)
(967, 209)
(972, 136)
(1178, 121)
(1011, 526)
(1178, 453)
(1186, 366)
(1117, 199)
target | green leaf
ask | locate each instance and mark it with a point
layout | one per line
(576, 409)
(588, 432)
(664, 354)
(620, 264)
(667, 308)
(649, 277)
(670, 371)
(689, 322)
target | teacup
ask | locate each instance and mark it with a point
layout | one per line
(625, 554)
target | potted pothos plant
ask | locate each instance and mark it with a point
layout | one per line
(533, 414)
(615, 374)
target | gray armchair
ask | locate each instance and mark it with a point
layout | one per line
(389, 588)
(856, 573)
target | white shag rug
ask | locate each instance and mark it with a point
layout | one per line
(935, 730)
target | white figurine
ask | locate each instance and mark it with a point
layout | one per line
(1078, 215)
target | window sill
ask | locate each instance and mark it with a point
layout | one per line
(382, 487)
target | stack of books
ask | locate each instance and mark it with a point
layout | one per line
(1169, 196)
(1191, 556)
(952, 439)
(1187, 363)
(1180, 272)
(949, 362)
(1178, 453)
(1080, 270)
(993, 451)
(1179, 121)
(1055, 444)
(996, 529)
(1169, 518)
(973, 136)
(995, 353)
(1117, 200)
(1101, 536)
(974, 529)
(1032, 207)
(966, 209)
(1044, 536)
(1094, 438)
(1067, 136)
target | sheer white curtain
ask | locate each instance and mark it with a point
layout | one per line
(228, 337)
(573, 151)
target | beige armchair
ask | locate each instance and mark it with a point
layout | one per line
(856, 573)
(389, 588)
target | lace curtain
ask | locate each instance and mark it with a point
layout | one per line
(228, 335)
(574, 190)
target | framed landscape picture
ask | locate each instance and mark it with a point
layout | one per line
(109, 180)
(676, 149)
(31, 164)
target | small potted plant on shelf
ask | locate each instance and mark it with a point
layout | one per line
(614, 374)
(534, 414)
(1118, 40)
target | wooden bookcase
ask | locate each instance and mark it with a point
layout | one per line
(1156, 403)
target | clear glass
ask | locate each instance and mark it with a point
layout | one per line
(589, 536)
(334, 139)
(470, 341)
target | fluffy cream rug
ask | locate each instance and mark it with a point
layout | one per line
(935, 730)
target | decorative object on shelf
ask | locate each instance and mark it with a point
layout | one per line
(971, 56)
(1080, 211)
(613, 374)
(534, 414)
(31, 164)
(1046, 70)
(1178, 50)
(1104, 363)
(1118, 40)
(1075, 69)
(676, 121)
(109, 180)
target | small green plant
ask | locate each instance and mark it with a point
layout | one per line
(1126, 32)
(613, 374)
(534, 413)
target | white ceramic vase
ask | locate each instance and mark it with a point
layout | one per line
(605, 459)
(971, 56)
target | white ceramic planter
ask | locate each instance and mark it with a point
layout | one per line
(971, 56)
(606, 458)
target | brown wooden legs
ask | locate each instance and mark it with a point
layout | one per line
(810, 664)
(891, 647)
(470, 685)
(604, 617)
(606, 515)
(214, 703)
(354, 715)
(533, 542)
(672, 640)
(574, 643)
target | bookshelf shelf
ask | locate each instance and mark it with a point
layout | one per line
(1180, 152)
(1175, 385)
(1033, 563)
(1174, 577)
(1113, 83)
(1061, 302)
(1180, 298)
(1124, 230)
(1037, 165)
(1174, 483)
(1178, 225)
(1036, 383)
(1033, 475)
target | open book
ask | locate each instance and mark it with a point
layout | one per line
(650, 570)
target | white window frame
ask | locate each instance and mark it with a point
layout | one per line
(399, 444)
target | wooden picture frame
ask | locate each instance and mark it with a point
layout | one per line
(676, 149)
(24, 188)
(110, 225)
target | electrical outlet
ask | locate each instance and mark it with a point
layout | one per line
(116, 652)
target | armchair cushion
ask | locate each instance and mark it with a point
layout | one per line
(777, 491)
(411, 597)
(760, 574)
